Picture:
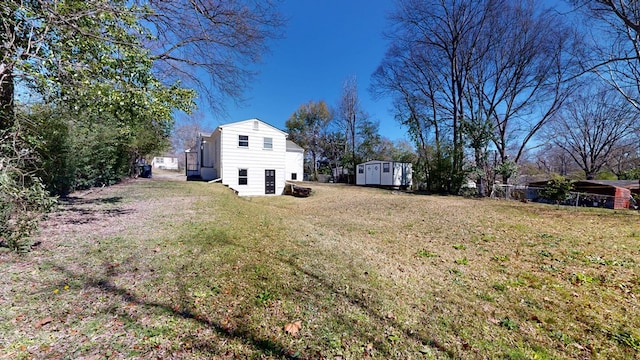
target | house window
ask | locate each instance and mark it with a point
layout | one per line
(243, 140)
(242, 177)
(360, 169)
(159, 160)
(294, 176)
(256, 125)
(268, 143)
(385, 167)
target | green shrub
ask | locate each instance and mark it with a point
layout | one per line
(557, 189)
(24, 201)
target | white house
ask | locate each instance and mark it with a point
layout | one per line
(165, 162)
(384, 173)
(294, 162)
(250, 156)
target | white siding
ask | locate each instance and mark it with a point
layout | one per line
(208, 160)
(165, 162)
(399, 173)
(402, 174)
(372, 172)
(361, 176)
(386, 178)
(254, 158)
(295, 164)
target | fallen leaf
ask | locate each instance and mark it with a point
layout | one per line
(293, 328)
(368, 349)
(494, 321)
(535, 318)
(44, 322)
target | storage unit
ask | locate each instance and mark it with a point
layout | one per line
(384, 173)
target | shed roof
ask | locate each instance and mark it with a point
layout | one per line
(380, 161)
(627, 184)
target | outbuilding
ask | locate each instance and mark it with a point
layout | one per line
(165, 162)
(612, 194)
(384, 173)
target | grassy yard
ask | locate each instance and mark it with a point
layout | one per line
(169, 269)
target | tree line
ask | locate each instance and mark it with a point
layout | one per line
(338, 138)
(488, 87)
(491, 89)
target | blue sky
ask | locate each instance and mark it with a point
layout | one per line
(326, 41)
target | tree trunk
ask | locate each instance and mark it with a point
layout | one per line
(6, 97)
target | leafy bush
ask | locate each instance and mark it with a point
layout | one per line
(24, 201)
(557, 189)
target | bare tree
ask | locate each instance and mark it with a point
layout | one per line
(467, 73)
(185, 135)
(551, 159)
(624, 159)
(210, 43)
(519, 81)
(592, 125)
(614, 52)
(350, 117)
(426, 71)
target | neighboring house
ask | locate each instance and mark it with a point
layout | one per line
(384, 173)
(250, 156)
(165, 162)
(340, 174)
(612, 194)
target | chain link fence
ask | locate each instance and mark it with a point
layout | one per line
(525, 193)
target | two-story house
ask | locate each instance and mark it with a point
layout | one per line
(250, 156)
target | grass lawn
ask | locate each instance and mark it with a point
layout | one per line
(170, 269)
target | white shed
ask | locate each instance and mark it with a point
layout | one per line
(384, 173)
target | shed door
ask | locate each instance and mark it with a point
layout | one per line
(373, 174)
(269, 181)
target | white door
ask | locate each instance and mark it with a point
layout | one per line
(373, 174)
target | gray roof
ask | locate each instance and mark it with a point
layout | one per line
(293, 147)
(628, 184)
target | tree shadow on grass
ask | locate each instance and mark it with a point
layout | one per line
(262, 345)
(362, 303)
(80, 211)
(76, 201)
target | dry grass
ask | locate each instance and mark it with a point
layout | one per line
(162, 269)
